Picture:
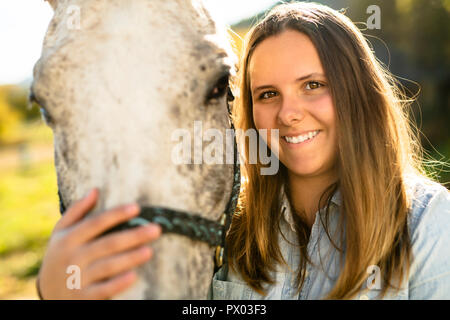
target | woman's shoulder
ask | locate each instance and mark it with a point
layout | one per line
(429, 202)
(429, 225)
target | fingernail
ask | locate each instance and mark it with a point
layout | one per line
(145, 251)
(152, 228)
(132, 208)
(89, 193)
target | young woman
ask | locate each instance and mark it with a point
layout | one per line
(350, 213)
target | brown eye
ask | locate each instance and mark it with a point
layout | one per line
(267, 95)
(311, 85)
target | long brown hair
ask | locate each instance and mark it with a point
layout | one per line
(377, 147)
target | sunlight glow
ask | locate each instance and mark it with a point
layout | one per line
(23, 24)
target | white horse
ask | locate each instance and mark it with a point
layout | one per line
(113, 87)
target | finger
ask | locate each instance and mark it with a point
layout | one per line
(93, 227)
(78, 210)
(120, 241)
(111, 287)
(115, 265)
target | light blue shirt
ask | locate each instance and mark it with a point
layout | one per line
(429, 277)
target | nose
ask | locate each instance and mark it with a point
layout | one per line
(291, 111)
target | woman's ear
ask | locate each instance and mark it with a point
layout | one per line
(52, 3)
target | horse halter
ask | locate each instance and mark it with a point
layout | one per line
(188, 223)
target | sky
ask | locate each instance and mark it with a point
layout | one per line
(23, 24)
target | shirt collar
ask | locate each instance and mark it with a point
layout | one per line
(287, 210)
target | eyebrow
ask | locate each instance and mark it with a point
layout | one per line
(310, 75)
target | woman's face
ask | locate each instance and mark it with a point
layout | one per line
(290, 93)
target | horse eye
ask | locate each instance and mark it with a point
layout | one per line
(219, 89)
(35, 102)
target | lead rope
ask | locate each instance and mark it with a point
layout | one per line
(221, 254)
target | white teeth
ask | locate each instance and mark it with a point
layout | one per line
(302, 138)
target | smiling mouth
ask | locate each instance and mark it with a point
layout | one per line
(301, 138)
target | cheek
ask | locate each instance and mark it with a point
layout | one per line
(264, 117)
(324, 112)
(259, 118)
(328, 119)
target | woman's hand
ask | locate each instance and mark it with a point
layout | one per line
(106, 263)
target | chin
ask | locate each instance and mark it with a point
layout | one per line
(304, 170)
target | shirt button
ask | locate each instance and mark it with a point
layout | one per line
(364, 297)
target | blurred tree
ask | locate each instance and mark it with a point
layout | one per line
(14, 112)
(9, 118)
(416, 48)
(18, 99)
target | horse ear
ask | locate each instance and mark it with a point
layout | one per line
(52, 3)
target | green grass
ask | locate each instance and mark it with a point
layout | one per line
(28, 213)
(28, 206)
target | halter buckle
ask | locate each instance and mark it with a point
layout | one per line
(219, 256)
